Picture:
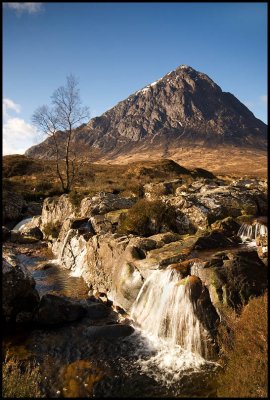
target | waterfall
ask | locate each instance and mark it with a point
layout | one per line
(21, 224)
(251, 232)
(163, 309)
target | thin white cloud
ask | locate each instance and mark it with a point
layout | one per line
(18, 135)
(31, 8)
(10, 105)
(264, 98)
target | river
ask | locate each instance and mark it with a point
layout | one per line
(73, 366)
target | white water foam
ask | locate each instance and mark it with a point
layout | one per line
(21, 224)
(249, 233)
(163, 309)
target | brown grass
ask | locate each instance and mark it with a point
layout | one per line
(243, 340)
(20, 379)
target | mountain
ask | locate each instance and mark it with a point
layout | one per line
(184, 108)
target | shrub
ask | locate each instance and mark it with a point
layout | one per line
(147, 218)
(52, 229)
(75, 198)
(19, 380)
(18, 165)
(43, 186)
(244, 344)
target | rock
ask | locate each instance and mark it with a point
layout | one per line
(194, 285)
(13, 204)
(32, 231)
(100, 224)
(212, 240)
(57, 209)
(203, 205)
(232, 278)
(54, 310)
(19, 293)
(154, 191)
(228, 226)
(6, 234)
(108, 332)
(126, 284)
(262, 246)
(18, 237)
(104, 203)
(96, 310)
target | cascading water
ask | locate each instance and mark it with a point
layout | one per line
(250, 232)
(21, 224)
(163, 308)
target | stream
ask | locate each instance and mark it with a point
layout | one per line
(139, 365)
(73, 366)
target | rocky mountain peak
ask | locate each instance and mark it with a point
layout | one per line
(183, 107)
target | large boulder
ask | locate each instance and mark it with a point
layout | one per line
(13, 204)
(57, 209)
(232, 278)
(20, 298)
(55, 310)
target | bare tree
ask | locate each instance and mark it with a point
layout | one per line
(65, 115)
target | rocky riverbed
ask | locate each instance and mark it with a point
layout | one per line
(73, 277)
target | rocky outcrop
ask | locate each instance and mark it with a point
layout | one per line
(104, 203)
(203, 204)
(232, 277)
(183, 107)
(20, 297)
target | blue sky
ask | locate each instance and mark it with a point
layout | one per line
(114, 49)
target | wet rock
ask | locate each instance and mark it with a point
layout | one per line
(194, 285)
(126, 284)
(54, 310)
(96, 310)
(19, 293)
(109, 332)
